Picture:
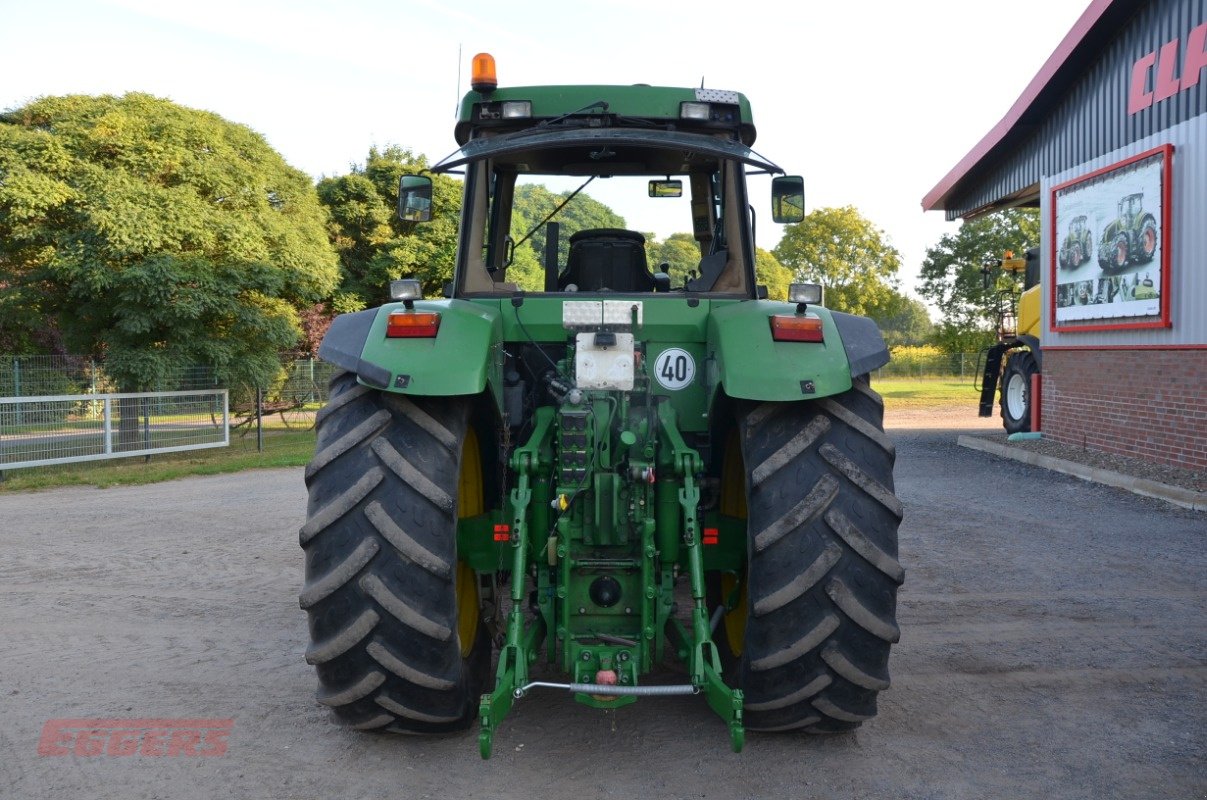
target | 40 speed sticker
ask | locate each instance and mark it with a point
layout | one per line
(675, 368)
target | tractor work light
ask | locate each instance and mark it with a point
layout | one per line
(412, 325)
(517, 109)
(405, 289)
(807, 293)
(483, 78)
(696, 111)
(723, 113)
(796, 328)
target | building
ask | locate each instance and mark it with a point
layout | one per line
(1111, 136)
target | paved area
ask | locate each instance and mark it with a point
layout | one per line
(1054, 645)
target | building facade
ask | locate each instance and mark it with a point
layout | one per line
(1109, 141)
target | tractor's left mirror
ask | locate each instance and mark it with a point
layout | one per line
(415, 198)
(788, 198)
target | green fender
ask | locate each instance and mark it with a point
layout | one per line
(464, 357)
(747, 364)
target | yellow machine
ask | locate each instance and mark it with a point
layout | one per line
(1011, 362)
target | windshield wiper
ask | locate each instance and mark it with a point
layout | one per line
(553, 213)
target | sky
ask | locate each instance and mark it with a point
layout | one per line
(872, 102)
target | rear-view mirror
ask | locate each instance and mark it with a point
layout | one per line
(788, 198)
(666, 188)
(415, 198)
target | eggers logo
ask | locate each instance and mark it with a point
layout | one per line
(135, 737)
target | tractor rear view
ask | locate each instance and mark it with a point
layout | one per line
(611, 466)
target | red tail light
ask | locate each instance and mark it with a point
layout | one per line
(795, 328)
(412, 325)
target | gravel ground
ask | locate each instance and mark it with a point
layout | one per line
(1053, 645)
(965, 419)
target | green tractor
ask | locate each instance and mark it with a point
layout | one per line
(1078, 244)
(1129, 239)
(581, 481)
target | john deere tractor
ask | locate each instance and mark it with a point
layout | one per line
(566, 486)
(1129, 239)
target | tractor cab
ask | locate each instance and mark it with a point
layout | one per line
(530, 155)
(1131, 206)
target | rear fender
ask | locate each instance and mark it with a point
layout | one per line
(746, 363)
(463, 358)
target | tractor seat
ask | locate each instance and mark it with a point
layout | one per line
(609, 259)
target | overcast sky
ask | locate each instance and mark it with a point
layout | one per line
(873, 102)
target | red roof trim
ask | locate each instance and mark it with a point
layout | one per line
(937, 196)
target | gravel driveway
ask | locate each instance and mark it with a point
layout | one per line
(1053, 645)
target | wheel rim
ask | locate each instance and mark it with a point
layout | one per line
(1120, 254)
(469, 504)
(1150, 241)
(733, 504)
(1016, 398)
(467, 607)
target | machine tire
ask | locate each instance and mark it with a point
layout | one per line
(1016, 391)
(822, 572)
(1147, 240)
(381, 563)
(1121, 251)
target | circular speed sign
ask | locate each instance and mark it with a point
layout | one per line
(674, 368)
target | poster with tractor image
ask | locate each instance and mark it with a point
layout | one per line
(1110, 242)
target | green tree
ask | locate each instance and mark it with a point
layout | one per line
(909, 324)
(952, 338)
(533, 202)
(951, 276)
(374, 245)
(842, 250)
(154, 235)
(769, 272)
(680, 251)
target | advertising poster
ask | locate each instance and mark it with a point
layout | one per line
(1110, 241)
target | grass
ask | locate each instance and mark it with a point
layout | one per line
(293, 448)
(901, 393)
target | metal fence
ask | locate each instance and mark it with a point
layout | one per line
(304, 380)
(943, 365)
(30, 376)
(59, 429)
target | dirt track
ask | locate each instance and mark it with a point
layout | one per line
(1054, 644)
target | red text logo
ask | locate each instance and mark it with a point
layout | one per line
(135, 737)
(1165, 64)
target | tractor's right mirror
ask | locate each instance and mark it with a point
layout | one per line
(788, 198)
(415, 198)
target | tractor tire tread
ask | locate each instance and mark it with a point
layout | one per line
(823, 570)
(380, 551)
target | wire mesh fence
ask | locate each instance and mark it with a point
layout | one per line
(29, 376)
(937, 365)
(58, 429)
(63, 408)
(304, 380)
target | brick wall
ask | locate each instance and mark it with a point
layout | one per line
(1149, 404)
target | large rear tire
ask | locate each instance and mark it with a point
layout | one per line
(394, 629)
(811, 633)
